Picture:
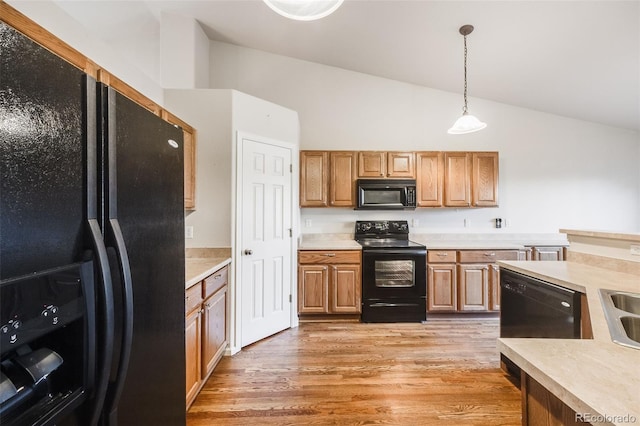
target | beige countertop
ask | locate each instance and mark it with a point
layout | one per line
(625, 236)
(197, 269)
(329, 245)
(440, 241)
(594, 376)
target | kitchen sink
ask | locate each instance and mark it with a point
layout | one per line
(622, 312)
(631, 327)
(628, 302)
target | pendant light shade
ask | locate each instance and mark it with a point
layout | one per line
(304, 10)
(467, 123)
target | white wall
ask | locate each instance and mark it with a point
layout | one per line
(184, 52)
(218, 115)
(555, 172)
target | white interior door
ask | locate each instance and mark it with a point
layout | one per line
(266, 239)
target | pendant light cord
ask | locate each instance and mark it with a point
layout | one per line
(464, 109)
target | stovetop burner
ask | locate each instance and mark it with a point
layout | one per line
(384, 233)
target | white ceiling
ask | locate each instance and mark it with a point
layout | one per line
(579, 59)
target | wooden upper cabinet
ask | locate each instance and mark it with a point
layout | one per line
(314, 178)
(189, 170)
(342, 177)
(372, 164)
(189, 141)
(484, 181)
(457, 179)
(430, 172)
(381, 164)
(443, 178)
(401, 164)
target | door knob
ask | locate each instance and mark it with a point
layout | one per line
(248, 252)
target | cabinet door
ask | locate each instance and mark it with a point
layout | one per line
(494, 287)
(314, 179)
(346, 289)
(189, 143)
(485, 179)
(189, 170)
(547, 253)
(473, 287)
(401, 164)
(342, 178)
(214, 330)
(313, 286)
(193, 336)
(372, 164)
(430, 174)
(441, 287)
(457, 179)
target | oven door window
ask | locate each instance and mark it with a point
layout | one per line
(394, 273)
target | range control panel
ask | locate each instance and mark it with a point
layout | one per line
(382, 227)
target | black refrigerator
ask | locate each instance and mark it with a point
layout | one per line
(91, 249)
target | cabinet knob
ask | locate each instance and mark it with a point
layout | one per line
(248, 252)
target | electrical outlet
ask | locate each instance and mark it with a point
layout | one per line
(635, 249)
(307, 223)
(467, 223)
(188, 232)
(415, 222)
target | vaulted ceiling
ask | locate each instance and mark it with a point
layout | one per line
(579, 59)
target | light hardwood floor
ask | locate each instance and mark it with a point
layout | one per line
(444, 372)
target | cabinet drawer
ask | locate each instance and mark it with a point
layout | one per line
(193, 297)
(486, 256)
(326, 257)
(441, 256)
(215, 282)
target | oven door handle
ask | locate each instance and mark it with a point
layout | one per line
(404, 252)
(391, 305)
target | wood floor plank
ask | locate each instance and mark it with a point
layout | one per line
(442, 372)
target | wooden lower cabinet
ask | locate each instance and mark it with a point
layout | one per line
(193, 332)
(329, 282)
(553, 253)
(542, 408)
(465, 280)
(205, 330)
(442, 294)
(193, 340)
(214, 330)
(473, 287)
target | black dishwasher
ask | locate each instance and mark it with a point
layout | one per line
(530, 307)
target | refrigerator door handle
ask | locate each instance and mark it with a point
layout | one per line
(104, 287)
(127, 319)
(107, 333)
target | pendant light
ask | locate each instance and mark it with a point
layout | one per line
(304, 10)
(467, 123)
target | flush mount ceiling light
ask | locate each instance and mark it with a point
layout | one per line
(467, 123)
(304, 10)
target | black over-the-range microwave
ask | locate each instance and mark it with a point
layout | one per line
(386, 194)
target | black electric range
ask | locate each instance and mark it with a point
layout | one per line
(394, 282)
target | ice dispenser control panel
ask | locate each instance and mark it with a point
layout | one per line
(36, 304)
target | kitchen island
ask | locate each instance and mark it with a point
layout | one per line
(596, 378)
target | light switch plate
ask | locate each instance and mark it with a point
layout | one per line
(188, 232)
